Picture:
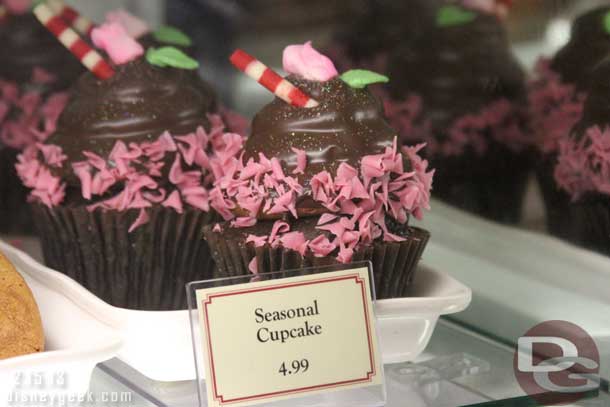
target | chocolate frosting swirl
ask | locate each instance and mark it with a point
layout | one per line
(137, 104)
(588, 45)
(27, 44)
(347, 125)
(458, 70)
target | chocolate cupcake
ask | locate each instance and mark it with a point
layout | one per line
(119, 191)
(322, 185)
(583, 168)
(459, 89)
(557, 97)
(34, 75)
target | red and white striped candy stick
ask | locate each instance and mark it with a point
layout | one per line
(71, 40)
(80, 23)
(271, 80)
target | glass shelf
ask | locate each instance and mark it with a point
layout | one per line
(459, 368)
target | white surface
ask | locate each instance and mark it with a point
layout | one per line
(75, 341)
(518, 278)
(158, 344)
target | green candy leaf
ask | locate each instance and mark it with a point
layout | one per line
(359, 78)
(453, 15)
(170, 56)
(171, 35)
(607, 22)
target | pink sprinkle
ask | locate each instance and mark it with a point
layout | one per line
(253, 266)
(42, 76)
(217, 228)
(321, 246)
(279, 227)
(174, 201)
(326, 218)
(295, 241)
(83, 172)
(258, 241)
(301, 161)
(243, 222)
(142, 219)
(112, 38)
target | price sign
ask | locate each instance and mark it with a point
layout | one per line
(280, 339)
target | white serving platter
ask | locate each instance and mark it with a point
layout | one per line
(75, 340)
(158, 344)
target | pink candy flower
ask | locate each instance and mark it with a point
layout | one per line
(134, 26)
(113, 38)
(305, 61)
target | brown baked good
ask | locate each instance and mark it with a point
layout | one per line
(20, 325)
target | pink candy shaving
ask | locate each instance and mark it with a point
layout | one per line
(358, 201)
(26, 117)
(136, 171)
(114, 39)
(555, 107)
(501, 119)
(584, 165)
(305, 61)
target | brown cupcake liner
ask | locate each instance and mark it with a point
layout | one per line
(394, 263)
(492, 186)
(15, 215)
(590, 223)
(146, 269)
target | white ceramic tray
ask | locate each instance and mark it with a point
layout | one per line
(158, 344)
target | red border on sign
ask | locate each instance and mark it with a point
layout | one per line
(369, 375)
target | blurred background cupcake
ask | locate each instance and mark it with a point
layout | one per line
(35, 74)
(583, 167)
(119, 190)
(556, 96)
(459, 88)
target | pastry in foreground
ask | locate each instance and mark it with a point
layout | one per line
(35, 73)
(119, 191)
(460, 89)
(20, 325)
(557, 96)
(321, 185)
(583, 168)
